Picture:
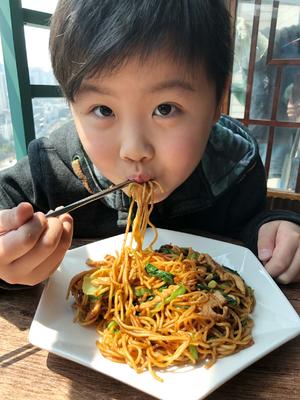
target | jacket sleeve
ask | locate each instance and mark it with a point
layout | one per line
(44, 178)
(24, 181)
(16, 185)
(247, 210)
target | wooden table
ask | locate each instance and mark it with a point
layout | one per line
(30, 373)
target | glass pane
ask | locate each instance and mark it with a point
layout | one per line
(285, 158)
(261, 134)
(292, 165)
(289, 100)
(243, 31)
(264, 74)
(49, 114)
(7, 147)
(287, 38)
(38, 56)
(45, 6)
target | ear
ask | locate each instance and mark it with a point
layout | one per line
(217, 114)
(220, 106)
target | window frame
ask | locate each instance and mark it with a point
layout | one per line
(272, 123)
(20, 91)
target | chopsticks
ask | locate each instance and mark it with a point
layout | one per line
(87, 200)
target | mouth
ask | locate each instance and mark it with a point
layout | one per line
(159, 192)
(141, 178)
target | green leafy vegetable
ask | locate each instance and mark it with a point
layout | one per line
(212, 284)
(94, 298)
(150, 298)
(193, 255)
(184, 250)
(88, 288)
(157, 273)
(141, 291)
(230, 299)
(112, 327)
(177, 292)
(166, 249)
(163, 288)
(202, 286)
(193, 352)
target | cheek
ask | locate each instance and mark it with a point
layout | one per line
(98, 145)
(185, 151)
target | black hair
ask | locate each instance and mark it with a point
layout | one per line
(92, 36)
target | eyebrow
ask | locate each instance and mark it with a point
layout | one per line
(164, 85)
(88, 87)
(173, 84)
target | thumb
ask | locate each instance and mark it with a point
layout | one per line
(267, 240)
(13, 218)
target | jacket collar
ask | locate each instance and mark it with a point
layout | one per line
(230, 151)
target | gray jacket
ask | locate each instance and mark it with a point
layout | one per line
(225, 195)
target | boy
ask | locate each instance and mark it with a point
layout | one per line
(144, 81)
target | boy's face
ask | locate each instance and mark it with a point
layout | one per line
(146, 121)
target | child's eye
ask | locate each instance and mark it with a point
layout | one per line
(165, 110)
(103, 112)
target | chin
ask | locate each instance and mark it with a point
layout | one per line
(158, 196)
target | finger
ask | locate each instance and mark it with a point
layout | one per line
(68, 229)
(15, 217)
(292, 274)
(51, 263)
(284, 252)
(16, 243)
(45, 246)
(267, 240)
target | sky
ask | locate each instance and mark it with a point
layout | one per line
(36, 38)
(46, 6)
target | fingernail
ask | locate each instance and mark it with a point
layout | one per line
(264, 254)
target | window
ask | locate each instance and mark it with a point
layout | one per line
(265, 91)
(38, 5)
(38, 57)
(7, 149)
(36, 108)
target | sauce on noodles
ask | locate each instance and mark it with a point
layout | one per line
(158, 308)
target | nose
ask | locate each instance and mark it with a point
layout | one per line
(135, 145)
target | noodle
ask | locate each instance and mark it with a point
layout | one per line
(159, 308)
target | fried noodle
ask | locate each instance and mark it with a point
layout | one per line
(158, 308)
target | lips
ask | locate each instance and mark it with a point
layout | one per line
(141, 178)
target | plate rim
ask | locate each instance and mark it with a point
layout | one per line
(32, 336)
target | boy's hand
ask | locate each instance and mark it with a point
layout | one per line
(31, 245)
(279, 249)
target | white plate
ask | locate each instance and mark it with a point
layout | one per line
(275, 320)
